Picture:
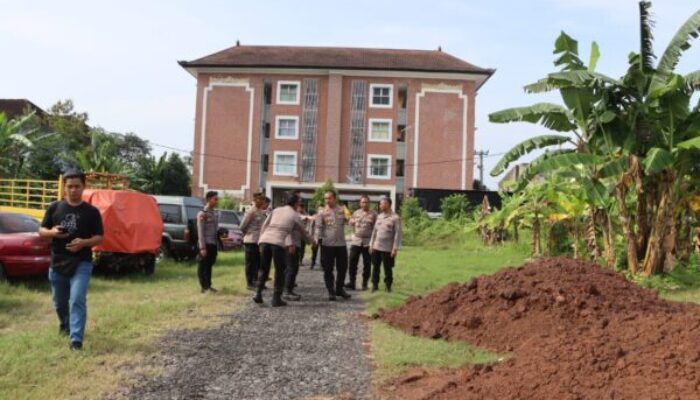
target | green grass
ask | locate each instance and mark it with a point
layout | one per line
(394, 351)
(681, 284)
(420, 270)
(126, 316)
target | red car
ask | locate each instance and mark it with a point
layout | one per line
(22, 251)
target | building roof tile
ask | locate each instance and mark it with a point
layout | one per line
(336, 58)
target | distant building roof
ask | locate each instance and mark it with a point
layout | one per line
(16, 107)
(336, 58)
(514, 173)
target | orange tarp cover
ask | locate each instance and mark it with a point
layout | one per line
(131, 220)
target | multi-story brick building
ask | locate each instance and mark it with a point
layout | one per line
(374, 121)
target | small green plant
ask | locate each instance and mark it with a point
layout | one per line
(454, 207)
(318, 194)
(411, 211)
(228, 202)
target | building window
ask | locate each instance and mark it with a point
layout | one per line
(265, 162)
(287, 127)
(285, 163)
(380, 130)
(400, 164)
(381, 96)
(378, 166)
(266, 130)
(288, 92)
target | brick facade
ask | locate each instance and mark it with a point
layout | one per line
(431, 118)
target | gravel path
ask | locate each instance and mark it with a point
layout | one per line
(313, 349)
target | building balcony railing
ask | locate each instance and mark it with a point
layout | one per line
(402, 117)
(266, 113)
(401, 150)
(400, 184)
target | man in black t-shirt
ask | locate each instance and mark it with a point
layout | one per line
(74, 228)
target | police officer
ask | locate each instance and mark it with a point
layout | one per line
(207, 226)
(385, 243)
(330, 230)
(294, 260)
(362, 222)
(275, 244)
(312, 230)
(250, 226)
(302, 250)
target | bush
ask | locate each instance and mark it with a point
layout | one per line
(411, 210)
(454, 207)
(228, 202)
(318, 194)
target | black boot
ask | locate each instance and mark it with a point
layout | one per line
(364, 285)
(258, 297)
(342, 293)
(350, 285)
(277, 300)
(291, 296)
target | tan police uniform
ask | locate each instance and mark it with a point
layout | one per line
(330, 230)
(386, 238)
(363, 225)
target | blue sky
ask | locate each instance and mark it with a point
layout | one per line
(117, 59)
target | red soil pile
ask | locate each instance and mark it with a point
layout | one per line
(574, 331)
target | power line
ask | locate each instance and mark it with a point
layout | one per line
(229, 158)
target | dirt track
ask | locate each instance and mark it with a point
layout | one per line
(574, 330)
(310, 349)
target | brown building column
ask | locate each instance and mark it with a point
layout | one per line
(333, 124)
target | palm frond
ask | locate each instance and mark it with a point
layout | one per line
(656, 160)
(541, 86)
(595, 56)
(567, 48)
(614, 168)
(534, 168)
(526, 147)
(552, 116)
(692, 80)
(679, 43)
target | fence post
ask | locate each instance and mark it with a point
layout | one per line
(60, 188)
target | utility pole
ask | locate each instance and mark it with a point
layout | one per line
(481, 154)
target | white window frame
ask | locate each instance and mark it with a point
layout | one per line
(275, 164)
(371, 157)
(381, 85)
(296, 127)
(279, 91)
(370, 138)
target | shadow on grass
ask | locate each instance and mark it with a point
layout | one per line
(18, 307)
(166, 271)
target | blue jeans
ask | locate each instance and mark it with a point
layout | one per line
(70, 299)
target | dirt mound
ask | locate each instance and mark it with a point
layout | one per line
(575, 331)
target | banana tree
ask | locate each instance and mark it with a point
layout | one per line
(658, 133)
(15, 141)
(638, 132)
(101, 156)
(584, 94)
(532, 208)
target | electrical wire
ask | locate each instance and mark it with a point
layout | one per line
(229, 158)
